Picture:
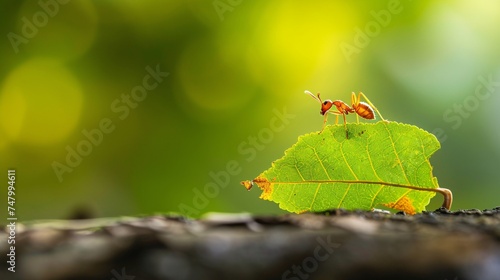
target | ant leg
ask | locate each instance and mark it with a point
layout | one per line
(368, 101)
(337, 121)
(345, 126)
(345, 122)
(355, 103)
(324, 123)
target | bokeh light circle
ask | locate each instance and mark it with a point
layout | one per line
(213, 80)
(40, 103)
(61, 30)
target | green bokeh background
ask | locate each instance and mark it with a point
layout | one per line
(232, 64)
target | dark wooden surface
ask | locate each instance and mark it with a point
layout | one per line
(340, 244)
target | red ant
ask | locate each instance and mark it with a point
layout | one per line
(362, 109)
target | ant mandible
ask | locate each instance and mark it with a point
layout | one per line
(362, 109)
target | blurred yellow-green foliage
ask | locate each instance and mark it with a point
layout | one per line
(69, 68)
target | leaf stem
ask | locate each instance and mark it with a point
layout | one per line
(448, 196)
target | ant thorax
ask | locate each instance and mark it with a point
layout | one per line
(343, 107)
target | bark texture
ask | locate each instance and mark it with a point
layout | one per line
(339, 244)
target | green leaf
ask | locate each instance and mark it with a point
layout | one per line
(381, 164)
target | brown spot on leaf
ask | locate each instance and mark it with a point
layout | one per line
(264, 185)
(403, 204)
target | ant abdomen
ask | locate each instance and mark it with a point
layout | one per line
(365, 111)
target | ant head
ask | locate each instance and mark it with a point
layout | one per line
(325, 105)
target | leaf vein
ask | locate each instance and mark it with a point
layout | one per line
(346, 162)
(314, 198)
(374, 172)
(396, 153)
(345, 194)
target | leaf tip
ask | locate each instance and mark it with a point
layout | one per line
(403, 204)
(263, 184)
